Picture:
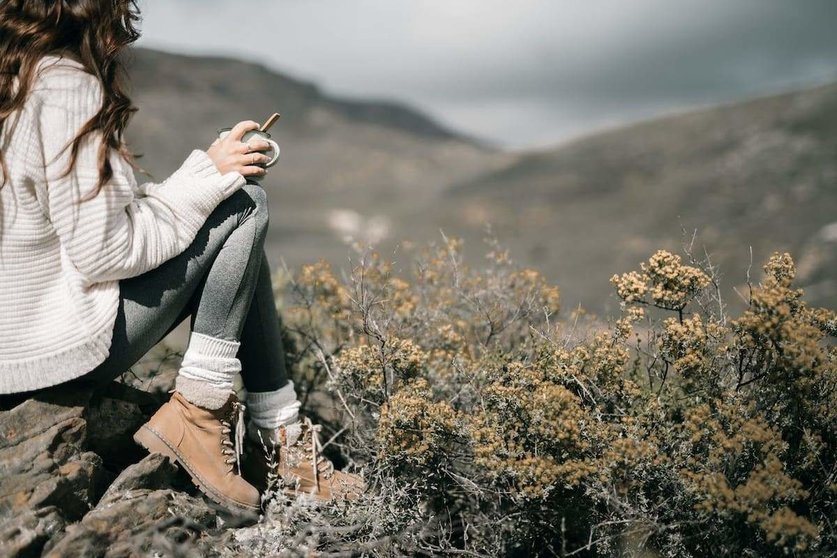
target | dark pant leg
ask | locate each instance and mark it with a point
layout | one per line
(261, 353)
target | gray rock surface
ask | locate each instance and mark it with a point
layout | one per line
(73, 482)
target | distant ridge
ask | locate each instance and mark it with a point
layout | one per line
(236, 77)
(760, 173)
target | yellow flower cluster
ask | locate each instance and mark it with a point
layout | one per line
(735, 467)
(529, 432)
(361, 368)
(786, 529)
(401, 297)
(625, 325)
(415, 430)
(604, 363)
(780, 270)
(446, 348)
(532, 282)
(369, 370)
(779, 332)
(685, 343)
(670, 283)
(324, 299)
(320, 279)
(405, 357)
(630, 286)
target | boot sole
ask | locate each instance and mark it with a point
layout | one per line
(155, 443)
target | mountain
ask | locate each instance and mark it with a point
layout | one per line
(340, 159)
(760, 174)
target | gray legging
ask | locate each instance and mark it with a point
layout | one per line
(215, 280)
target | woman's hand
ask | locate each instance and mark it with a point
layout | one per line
(230, 154)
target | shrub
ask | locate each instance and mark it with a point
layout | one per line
(486, 426)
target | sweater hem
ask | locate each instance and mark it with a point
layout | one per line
(65, 365)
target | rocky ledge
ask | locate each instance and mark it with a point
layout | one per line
(74, 483)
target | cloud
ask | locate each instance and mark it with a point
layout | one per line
(522, 72)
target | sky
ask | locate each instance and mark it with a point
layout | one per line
(520, 74)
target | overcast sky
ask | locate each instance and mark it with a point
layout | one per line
(520, 73)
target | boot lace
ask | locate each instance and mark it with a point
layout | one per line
(233, 447)
(319, 463)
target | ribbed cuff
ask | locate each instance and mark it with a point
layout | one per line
(203, 168)
(213, 347)
(208, 369)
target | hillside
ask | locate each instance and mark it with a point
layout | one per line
(338, 156)
(762, 173)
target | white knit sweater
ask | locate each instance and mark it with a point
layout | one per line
(61, 259)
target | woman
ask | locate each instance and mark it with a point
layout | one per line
(95, 269)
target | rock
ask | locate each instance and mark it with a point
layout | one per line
(43, 461)
(35, 416)
(153, 472)
(28, 532)
(140, 514)
(137, 524)
(46, 475)
(74, 483)
(113, 415)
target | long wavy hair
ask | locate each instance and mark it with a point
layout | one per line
(96, 31)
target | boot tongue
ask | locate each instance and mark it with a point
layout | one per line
(239, 434)
(293, 432)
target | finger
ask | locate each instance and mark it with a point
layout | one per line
(252, 145)
(216, 142)
(259, 145)
(253, 171)
(253, 158)
(241, 128)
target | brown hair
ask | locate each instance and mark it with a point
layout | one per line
(95, 31)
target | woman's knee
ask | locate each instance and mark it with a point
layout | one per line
(261, 213)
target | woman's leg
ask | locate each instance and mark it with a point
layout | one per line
(262, 358)
(223, 281)
(213, 279)
(271, 398)
(227, 250)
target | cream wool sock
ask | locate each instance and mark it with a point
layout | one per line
(272, 409)
(206, 374)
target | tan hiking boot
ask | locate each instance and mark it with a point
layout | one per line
(295, 464)
(199, 439)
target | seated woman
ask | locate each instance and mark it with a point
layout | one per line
(96, 269)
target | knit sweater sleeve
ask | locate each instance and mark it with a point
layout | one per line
(119, 232)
